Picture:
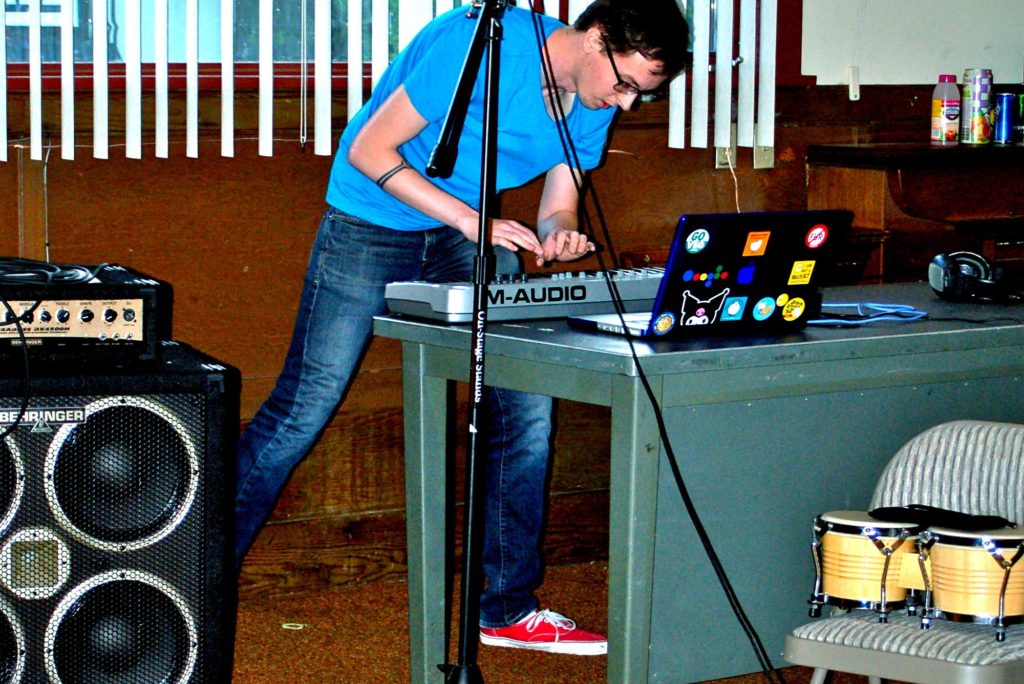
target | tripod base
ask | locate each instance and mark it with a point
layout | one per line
(461, 674)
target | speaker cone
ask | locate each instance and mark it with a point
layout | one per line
(12, 646)
(12, 482)
(122, 626)
(125, 477)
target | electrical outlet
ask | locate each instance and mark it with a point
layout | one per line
(724, 154)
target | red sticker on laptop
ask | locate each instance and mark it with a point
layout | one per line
(817, 236)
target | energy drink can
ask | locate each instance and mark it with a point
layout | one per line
(1018, 124)
(976, 111)
(1002, 132)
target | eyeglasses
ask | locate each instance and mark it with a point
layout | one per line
(624, 87)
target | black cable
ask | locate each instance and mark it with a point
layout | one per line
(984, 321)
(570, 152)
(18, 271)
(26, 380)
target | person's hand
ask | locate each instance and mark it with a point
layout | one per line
(562, 244)
(509, 234)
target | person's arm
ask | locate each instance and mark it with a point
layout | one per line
(558, 220)
(374, 152)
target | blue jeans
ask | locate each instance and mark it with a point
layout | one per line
(350, 264)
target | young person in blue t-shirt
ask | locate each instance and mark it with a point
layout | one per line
(387, 222)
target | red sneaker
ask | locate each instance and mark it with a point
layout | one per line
(546, 631)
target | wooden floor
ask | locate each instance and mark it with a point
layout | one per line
(358, 634)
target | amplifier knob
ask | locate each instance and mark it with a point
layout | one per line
(110, 315)
(63, 315)
(87, 315)
(45, 316)
(27, 316)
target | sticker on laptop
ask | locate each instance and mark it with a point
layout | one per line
(801, 273)
(697, 241)
(816, 236)
(701, 311)
(794, 309)
(706, 277)
(746, 274)
(663, 323)
(733, 308)
(757, 243)
(764, 309)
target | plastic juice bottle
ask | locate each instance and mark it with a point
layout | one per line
(946, 111)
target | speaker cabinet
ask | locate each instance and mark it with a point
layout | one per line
(115, 515)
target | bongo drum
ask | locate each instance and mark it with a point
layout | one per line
(858, 559)
(973, 576)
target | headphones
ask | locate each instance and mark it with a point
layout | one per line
(965, 276)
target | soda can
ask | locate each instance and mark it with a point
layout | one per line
(976, 118)
(976, 111)
(1002, 132)
(1018, 126)
(977, 83)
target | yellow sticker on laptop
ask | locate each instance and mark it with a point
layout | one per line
(801, 273)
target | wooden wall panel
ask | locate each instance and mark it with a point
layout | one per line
(231, 235)
(9, 181)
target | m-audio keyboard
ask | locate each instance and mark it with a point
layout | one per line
(524, 297)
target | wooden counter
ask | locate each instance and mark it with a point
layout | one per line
(929, 199)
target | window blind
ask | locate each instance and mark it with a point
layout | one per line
(727, 49)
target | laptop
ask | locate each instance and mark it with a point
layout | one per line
(742, 273)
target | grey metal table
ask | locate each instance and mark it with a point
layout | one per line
(769, 432)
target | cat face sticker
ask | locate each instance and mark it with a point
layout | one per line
(701, 311)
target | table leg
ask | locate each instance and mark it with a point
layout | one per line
(635, 452)
(425, 399)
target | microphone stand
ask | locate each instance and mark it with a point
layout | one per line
(487, 36)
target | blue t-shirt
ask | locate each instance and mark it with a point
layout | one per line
(528, 140)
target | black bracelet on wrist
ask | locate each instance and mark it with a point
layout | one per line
(388, 174)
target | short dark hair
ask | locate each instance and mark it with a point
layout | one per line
(656, 29)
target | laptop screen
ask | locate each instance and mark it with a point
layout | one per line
(746, 271)
(743, 273)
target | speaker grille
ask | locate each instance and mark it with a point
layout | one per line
(115, 511)
(12, 646)
(12, 482)
(125, 477)
(123, 626)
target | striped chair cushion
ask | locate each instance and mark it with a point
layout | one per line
(960, 643)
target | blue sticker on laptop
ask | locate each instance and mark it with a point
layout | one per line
(733, 308)
(764, 308)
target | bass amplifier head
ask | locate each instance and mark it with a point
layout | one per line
(115, 516)
(70, 313)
